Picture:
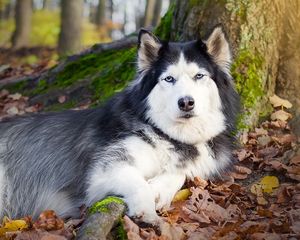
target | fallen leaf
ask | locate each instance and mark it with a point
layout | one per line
(12, 111)
(240, 172)
(12, 225)
(278, 102)
(281, 115)
(200, 183)
(182, 195)
(265, 236)
(264, 140)
(4, 93)
(268, 183)
(268, 152)
(15, 96)
(294, 176)
(261, 131)
(284, 139)
(257, 190)
(295, 160)
(48, 220)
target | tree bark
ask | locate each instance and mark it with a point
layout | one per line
(149, 12)
(100, 15)
(23, 12)
(70, 33)
(157, 11)
(288, 79)
(47, 4)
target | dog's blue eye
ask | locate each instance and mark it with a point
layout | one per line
(199, 76)
(169, 79)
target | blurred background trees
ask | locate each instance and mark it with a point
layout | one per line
(73, 25)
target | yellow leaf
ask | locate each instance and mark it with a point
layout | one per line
(182, 195)
(12, 226)
(268, 183)
(277, 102)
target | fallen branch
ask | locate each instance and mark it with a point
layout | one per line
(104, 216)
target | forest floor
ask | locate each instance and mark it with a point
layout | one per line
(259, 199)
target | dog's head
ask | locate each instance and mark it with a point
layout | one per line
(188, 83)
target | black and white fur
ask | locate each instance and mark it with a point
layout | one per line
(175, 121)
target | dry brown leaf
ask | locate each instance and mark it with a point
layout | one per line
(257, 190)
(15, 96)
(294, 176)
(276, 165)
(265, 236)
(203, 208)
(4, 93)
(281, 115)
(240, 172)
(268, 152)
(40, 235)
(295, 160)
(244, 137)
(200, 183)
(278, 124)
(48, 220)
(264, 140)
(279, 102)
(12, 111)
(284, 139)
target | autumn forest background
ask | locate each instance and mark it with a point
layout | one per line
(75, 54)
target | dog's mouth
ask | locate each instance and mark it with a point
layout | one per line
(187, 116)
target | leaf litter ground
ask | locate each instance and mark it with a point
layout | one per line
(258, 199)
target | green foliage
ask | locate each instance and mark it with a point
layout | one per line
(102, 206)
(45, 28)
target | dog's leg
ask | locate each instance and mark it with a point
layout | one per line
(126, 181)
(165, 187)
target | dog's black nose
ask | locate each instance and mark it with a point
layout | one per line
(186, 103)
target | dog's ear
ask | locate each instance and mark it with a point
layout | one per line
(148, 48)
(218, 48)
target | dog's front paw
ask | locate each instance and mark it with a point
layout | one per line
(163, 195)
(141, 206)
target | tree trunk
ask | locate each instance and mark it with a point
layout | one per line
(70, 33)
(149, 12)
(156, 13)
(100, 15)
(23, 11)
(288, 80)
(265, 43)
(47, 4)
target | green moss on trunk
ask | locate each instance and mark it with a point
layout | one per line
(102, 206)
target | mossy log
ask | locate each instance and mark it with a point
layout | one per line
(104, 221)
(96, 73)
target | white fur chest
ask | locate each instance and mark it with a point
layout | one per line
(161, 157)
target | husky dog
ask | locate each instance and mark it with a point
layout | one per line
(173, 122)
